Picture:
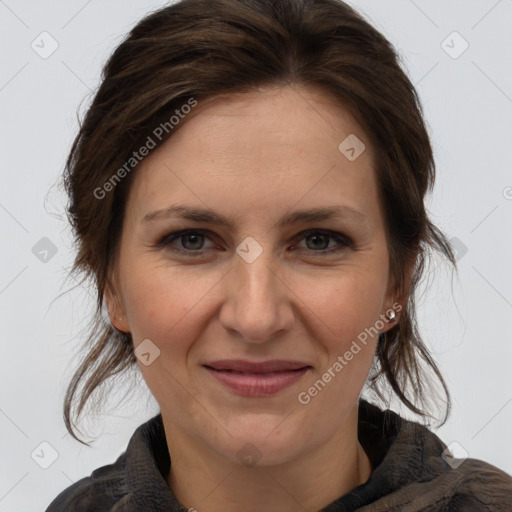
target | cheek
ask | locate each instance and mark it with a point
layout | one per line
(163, 304)
(347, 304)
(168, 308)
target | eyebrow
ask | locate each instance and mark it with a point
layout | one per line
(209, 216)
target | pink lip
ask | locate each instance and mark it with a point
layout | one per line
(257, 384)
(241, 365)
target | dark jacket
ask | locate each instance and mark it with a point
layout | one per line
(409, 475)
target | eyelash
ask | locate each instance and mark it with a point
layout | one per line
(165, 241)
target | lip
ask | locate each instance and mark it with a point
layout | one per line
(241, 365)
(257, 384)
(262, 379)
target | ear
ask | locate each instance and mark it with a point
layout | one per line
(396, 303)
(115, 309)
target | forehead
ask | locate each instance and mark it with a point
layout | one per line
(285, 119)
(265, 150)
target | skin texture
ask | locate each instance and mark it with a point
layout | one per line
(253, 158)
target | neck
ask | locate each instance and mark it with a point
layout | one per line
(202, 479)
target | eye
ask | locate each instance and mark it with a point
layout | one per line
(317, 242)
(192, 240)
(320, 240)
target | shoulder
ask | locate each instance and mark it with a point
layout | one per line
(99, 491)
(480, 485)
(135, 479)
(457, 485)
(461, 484)
(414, 472)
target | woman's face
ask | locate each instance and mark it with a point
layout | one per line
(258, 286)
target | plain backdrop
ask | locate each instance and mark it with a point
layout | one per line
(464, 80)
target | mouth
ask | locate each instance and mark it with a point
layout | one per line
(255, 373)
(257, 384)
(252, 367)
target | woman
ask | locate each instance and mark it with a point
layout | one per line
(247, 191)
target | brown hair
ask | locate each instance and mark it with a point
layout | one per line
(205, 48)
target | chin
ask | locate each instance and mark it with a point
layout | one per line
(253, 442)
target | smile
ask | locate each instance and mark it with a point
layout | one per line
(257, 384)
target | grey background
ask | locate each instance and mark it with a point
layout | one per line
(468, 107)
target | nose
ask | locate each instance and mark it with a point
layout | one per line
(257, 303)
